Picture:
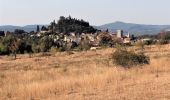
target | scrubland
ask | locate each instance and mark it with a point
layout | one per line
(86, 75)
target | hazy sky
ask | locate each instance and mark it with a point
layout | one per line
(97, 12)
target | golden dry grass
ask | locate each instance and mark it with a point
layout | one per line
(85, 76)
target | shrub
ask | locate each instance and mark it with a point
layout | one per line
(3, 49)
(129, 59)
(35, 48)
(162, 42)
(21, 46)
(84, 44)
(140, 45)
(62, 49)
(9, 44)
(45, 44)
(106, 39)
(53, 49)
(164, 38)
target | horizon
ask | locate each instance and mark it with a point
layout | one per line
(41, 12)
(90, 24)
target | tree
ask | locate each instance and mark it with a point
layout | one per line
(52, 27)
(45, 44)
(2, 33)
(105, 39)
(38, 28)
(21, 46)
(13, 48)
(35, 48)
(19, 31)
(67, 25)
(107, 30)
(44, 28)
(9, 45)
(167, 36)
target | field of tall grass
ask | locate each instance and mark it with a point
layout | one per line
(86, 75)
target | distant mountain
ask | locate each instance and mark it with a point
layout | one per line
(27, 28)
(136, 29)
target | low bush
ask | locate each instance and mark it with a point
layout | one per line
(106, 39)
(62, 49)
(162, 42)
(84, 45)
(35, 48)
(129, 59)
(45, 44)
(53, 49)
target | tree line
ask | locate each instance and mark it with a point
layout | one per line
(69, 24)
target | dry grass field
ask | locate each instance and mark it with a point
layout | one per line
(85, 76)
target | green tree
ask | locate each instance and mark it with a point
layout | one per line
(9, 45)
(45, 43)
(67, 25)
(105, 39)
(43, 28)
(38, 28)
(35, 48)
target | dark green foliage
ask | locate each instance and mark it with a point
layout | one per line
(74, 45)
(52, 26)
(129, 59)
(21, 47)
(15, 44)
(2, 33)
(35, 48)
(166, 36)
(24, 46)
(8, 44)
(105, 40)
(4, 49)
(43, 28)
(45, 43)
(62, 49)
(19, 31)
(67, 25)
(38, 28)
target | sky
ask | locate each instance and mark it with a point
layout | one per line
(97, 12)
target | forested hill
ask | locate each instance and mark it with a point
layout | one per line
(63, 25)
(68, 24)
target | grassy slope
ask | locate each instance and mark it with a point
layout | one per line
(86, 75)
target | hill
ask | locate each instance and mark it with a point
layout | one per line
(69, 24)
(63, 25)
(137, 29)
(11, 28)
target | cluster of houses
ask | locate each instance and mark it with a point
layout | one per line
(93, 38)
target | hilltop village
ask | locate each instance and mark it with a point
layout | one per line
(68, 34)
